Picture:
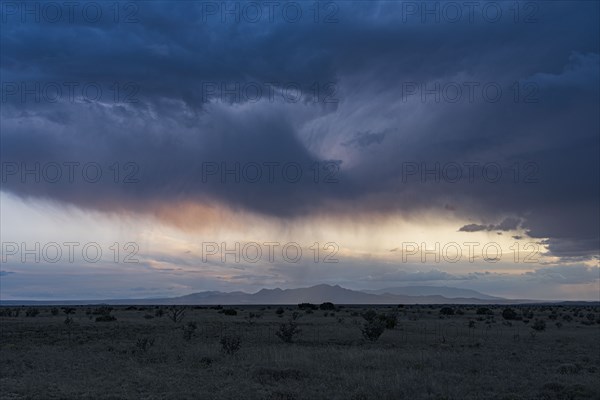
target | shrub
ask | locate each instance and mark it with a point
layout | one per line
(372, 329)
(591, 317)
(279, 311)
(327, 306)
(447, 311)
(68, 310)
(159, 312)
(287, 331)
(539, 325)
(509, 313)
(54, 311)
(106, 318)
(484, 311)
(188, 330)
(176, 314)
(565, 369)
(31, 312)
(102, 310)
(230, 344)
(144, 343)
(390, 320)
(307, 306)
(295, 315)
(229, 311)
(369, 315)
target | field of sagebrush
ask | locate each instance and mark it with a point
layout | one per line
(300, 352)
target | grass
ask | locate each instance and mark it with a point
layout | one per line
(427, 355)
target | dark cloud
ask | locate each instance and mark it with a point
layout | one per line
(508, 224)
(542, 132)
(365, 139)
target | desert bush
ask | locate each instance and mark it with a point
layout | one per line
(68, 310)
(527, 313)
(270, 375)
(295, 315)
(287, 331)
(591, 317)
(567, 318)
(230, 344)
(159, 312)
(307, 306)
(176, 314)
(484, 311)
(228, 311)
(148, 316)
(5, 312)
(102, 310)
(206, 361)
(106, 318)
(447, 311)
(369, 315)
(104, 314)
(372, 329)
(327, 306)
(54, 311)
(31, 312)
(509, 314)
(279, 311)
(144, 343)
(188, 330)
(568, 369)
(390, 320)
(69, 324)
(539, 325)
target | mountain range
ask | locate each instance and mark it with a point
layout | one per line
(314, 294)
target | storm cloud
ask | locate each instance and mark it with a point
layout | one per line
(369, 112)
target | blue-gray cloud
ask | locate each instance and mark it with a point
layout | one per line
(543, 131)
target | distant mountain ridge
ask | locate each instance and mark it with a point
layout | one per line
(314, 294)
(445, 291)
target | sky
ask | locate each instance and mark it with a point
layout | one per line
(155, 149)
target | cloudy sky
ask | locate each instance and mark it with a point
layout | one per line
(158, 149)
